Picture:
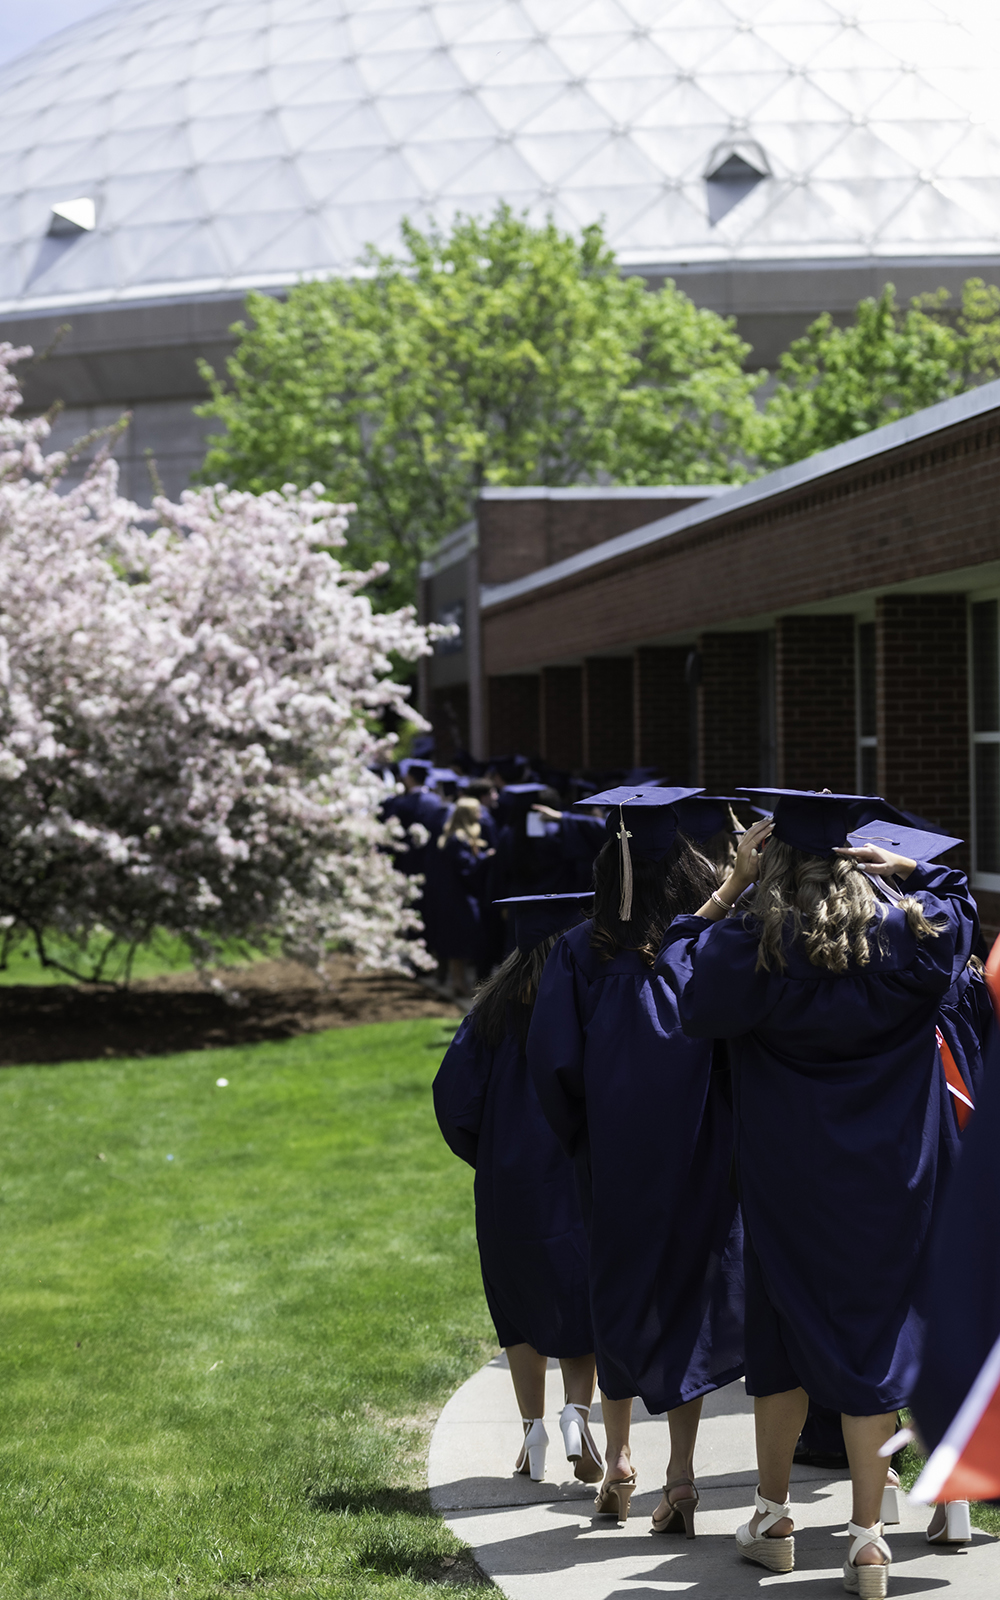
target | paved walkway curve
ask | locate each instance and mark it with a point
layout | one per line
(539, 1541)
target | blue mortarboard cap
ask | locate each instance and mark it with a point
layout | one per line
(539, 916)
(704, 815)
(443, 775)
(649, 816)
(814, 822)
(519, 796)
(420, 770)
(920, 844)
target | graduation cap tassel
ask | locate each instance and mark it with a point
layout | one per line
(625, 907)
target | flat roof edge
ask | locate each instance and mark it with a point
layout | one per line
(855, 452)
(611, 491)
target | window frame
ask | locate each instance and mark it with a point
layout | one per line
(978, 880)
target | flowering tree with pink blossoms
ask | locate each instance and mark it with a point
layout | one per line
(189, 704)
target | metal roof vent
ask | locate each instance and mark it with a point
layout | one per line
(72, 217)
(734, 169)
(69, 220)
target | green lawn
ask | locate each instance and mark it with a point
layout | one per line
(164, 953)
(227, 1316)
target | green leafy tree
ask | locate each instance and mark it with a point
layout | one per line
(836, 383)
(500, 353)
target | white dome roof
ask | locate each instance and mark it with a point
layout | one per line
(247, 142)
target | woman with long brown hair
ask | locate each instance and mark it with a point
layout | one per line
(644, 1112)
(828, 997)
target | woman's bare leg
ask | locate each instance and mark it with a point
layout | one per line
(579, 1379)
(683, 1424)
(617, 1416)
(778, 1421)
(863, 1439)
(527, 1372)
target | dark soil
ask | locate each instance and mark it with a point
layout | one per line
(268, 1000)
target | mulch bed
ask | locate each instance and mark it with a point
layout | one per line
(268, 1000)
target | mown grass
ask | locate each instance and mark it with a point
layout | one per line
(227, 1315)
(164, 953)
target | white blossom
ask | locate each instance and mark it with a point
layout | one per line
(188, 701)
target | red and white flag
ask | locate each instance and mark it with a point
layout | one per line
(966, 1464)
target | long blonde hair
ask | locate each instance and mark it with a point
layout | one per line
(830, 905)
(464, 824)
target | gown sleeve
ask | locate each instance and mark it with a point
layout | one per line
(711, 968)
(555, 1048)
(459, 1091)
(943, 891)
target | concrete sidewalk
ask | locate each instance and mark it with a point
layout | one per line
(539, 1540)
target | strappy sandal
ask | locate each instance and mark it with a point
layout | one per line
(871, 1582)
(581, 1447)
(680, 1518)
(613, 1498)
(778, 1554)
(951, 1523)
(531, 1461)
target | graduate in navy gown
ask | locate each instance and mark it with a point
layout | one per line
(415, 805)
(644, 1112)
(844, 1140)
(956, 1400)
(459, 865)
(532, 1242)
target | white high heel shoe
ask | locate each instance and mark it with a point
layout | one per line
(871, 1583)
(778, 1555)
(951, 1523)
(536, 1442)
(581, 1447)
(890, 1498)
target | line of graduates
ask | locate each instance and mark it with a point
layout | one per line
(714, 1110)
(476, 842)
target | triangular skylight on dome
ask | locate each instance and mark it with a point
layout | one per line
(733, 172)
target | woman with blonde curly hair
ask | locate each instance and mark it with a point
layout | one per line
(458, 890)
(828, 994)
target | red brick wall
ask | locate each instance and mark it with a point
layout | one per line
(815, 708)
(513, 711)
(729, 722)
(520, 536)
(608, 723)
(663, 713)
(561, 740)
(928, 507)
(922, 688)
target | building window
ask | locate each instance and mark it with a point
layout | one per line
(867, 724)
(985, 701)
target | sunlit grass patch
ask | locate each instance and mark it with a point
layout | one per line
(227, 1317)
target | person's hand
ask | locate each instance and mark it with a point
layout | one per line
(880, 863)
(548, 812)
(749, 858)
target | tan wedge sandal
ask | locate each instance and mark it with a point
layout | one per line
(870, 1582)
(680, 1517)
(614, 1498)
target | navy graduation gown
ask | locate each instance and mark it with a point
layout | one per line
(532, 1242)
(963, 1297)
(843, 1139)
(454, 895)
(967, 1024)
(416, 805)
(638, 1106)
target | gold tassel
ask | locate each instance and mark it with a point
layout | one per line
(625, 907)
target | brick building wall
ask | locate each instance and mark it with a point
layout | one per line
(513, 714)
(922, 508)
(522, 534)
(607, 712)
(561, 736)
(815, 703)
(922, 690)
(663, 712)
(729, 711)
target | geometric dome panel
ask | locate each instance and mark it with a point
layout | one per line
(235, 144)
